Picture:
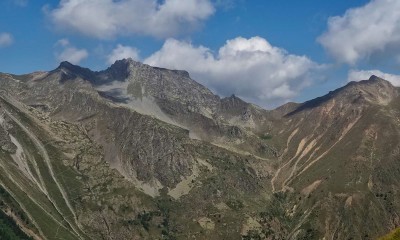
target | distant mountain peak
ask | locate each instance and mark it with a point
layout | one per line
(126, 62)
(70, 71)
(65, 64)
(375, 78)
(71, 67)
(119, 70)
(374, 83)
(233, 100)
(375, 90)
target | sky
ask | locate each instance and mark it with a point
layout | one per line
(265, 51)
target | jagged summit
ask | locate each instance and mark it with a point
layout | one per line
(72, 67)
(69, 71)
(163, 84)
(119, 70)
(129, 63)
(124, 64)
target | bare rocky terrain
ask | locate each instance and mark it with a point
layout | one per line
(138, 152)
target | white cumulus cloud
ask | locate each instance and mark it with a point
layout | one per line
(6, 39)
(70, 53)
(358, 75)
(121, 52)
(109, 18)
(250, 68)
(364, 31)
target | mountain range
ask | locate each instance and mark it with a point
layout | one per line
(140, 152)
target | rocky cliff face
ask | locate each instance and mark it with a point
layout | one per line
(150, 153)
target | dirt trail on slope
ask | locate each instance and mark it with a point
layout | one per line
(46, 157)
(20, 159)
(33, 201)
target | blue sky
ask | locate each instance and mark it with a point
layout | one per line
(265, 51)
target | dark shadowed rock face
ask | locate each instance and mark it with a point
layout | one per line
(152, 154)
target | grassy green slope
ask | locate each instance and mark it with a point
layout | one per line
(395, 235)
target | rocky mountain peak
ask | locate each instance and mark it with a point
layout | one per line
(118, 71)
(372, 81)
(375, 90)
(65, 64)
(234, 99)
(375, 78)
(233, 102)
(165, 84)
(126, 63)
(70, 71)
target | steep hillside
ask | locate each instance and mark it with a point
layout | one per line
(340, 162)
(137, 152)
